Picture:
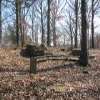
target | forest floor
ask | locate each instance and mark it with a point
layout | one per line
(63, 83)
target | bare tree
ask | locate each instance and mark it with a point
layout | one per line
(74, 7)
(84, 51)
(42, 24)
(92, 24)
(17, 22)
(69, 29)
(48, 24)
(32, 18)
(76, 23)
(0, 21)
(95, 5)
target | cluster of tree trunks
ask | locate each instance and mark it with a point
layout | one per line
(20, 28)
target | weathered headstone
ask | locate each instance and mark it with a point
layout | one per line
(33, 51)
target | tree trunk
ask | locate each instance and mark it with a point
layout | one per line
(48, 25)
(17, 22)
(76, 23)
(92, 25)
(71, 33)
(71, 36)
(36, 34)
(64, 44)
(21, 21)
(43, 34)
(71, 41)
(22, 28)
(54, 32)
(0, 22)
(33, 36)
(84, 51)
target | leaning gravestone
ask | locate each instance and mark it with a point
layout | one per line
(33, 51)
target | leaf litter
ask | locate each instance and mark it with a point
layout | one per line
(68, 83)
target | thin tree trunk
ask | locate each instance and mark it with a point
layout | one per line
(33, 36)
(71, 41)
(21, 19)
(22, 27)
(71, 33)
(54, 32)
(84, 51)
(43, 34)
(64, 40)
(36, 34)
(76, 23)
(48, 25)
(17, 22)
(71, 36)
(0, 22)
(92, 25)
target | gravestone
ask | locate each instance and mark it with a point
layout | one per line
(33, 51)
